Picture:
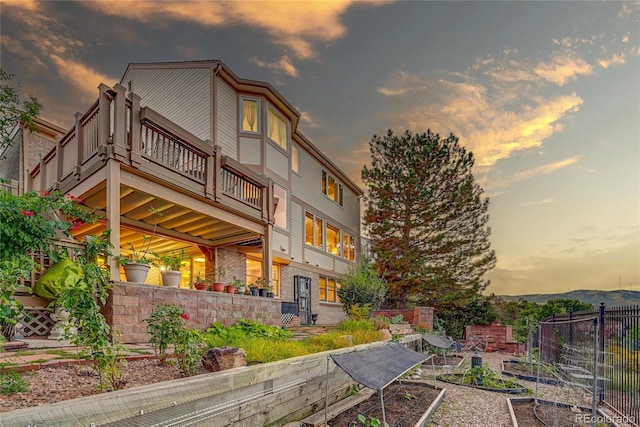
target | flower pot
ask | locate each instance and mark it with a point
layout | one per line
(217, 287)
(241, 290)
(262, 292)
(269, 294)
(230, 289)
(254, 291)
(201, 286)
(171, 278)
(136, 273)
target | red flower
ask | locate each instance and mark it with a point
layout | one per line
(45, 193)
(27, 213)
(185, 316)
(74, 198)
(75, 225)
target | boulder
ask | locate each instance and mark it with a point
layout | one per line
(386, 335)
(222, 358)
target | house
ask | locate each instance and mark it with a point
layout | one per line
(23, 155)
(187, 155)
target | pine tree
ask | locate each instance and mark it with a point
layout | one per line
(426, 218)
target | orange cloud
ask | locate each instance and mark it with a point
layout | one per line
(83, 77)
(283, 65)
(294, 25)
(562, 69)
(615, 60)
(30, 5)
(545, 169)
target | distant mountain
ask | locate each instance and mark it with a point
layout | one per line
(609, 298)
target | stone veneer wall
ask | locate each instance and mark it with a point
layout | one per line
(129, 304)
(234, 263)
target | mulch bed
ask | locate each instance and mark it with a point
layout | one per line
(404, 405)
(553, 415)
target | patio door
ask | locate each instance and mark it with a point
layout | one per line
(302, 288)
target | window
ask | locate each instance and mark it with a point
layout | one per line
(314, 230)
(254, 270)
(280, 201)
(332, 188)
(277, 129)
(349, 247)
(295, 159)
(328, 289)
(333, 240)
(250, 115)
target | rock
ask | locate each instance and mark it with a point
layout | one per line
(386, 335)
(222, 358)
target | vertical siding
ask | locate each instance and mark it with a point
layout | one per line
(180, 94)
(307, 186)
(297, 231)
(227, 119)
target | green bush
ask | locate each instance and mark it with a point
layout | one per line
(362, 286)
(12, 382)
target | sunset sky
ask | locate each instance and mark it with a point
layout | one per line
(545, 94)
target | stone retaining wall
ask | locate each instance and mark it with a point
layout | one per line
(129, 304)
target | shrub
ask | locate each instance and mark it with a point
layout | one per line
(362, 286)
(12, 382)
(165, 325)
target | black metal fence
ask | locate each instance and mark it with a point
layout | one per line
(570, 337)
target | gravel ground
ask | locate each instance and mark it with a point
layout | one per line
(58, 384)
(465, 406)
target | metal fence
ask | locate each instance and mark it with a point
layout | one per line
(567, 340)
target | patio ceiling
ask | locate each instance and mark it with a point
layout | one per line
(176, 226)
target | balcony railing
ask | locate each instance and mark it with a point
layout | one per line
(116, 127)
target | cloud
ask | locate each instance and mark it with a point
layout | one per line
(546, 169)
(30, 5)
(283, 65)
(535, 203)
(297, 26)
(84, 78)
(617, 59)
(307, 119)
(562, 69)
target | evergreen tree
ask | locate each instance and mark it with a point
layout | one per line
(13, 110)
(426, 218)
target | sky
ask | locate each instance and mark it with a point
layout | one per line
(545, 94)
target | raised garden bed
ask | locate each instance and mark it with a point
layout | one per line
(447, 360)
(406, 404)
(500, 386)
(523, 371)
(548, 413)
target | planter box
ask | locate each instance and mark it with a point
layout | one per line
(517, 390)
(367, 398)
(580, 415)
(525, 375)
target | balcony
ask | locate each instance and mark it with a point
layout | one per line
(125, 161)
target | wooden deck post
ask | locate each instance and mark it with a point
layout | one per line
(135, 130)
(119, 125)
(79, 146)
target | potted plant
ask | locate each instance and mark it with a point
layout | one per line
(218, 284)
(137, 264)
(269, 288)
(261, 285)
(170, 267)
(201, 284)
(238, 285)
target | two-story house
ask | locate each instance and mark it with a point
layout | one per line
(187, 155)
